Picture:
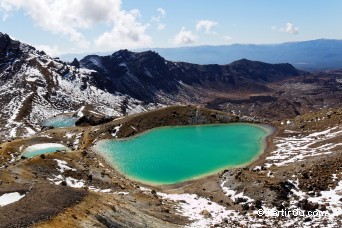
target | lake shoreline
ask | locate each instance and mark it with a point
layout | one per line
(264, 148)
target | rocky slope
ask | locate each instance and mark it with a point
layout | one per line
(34, 86)
(148, 76)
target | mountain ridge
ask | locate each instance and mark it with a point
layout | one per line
(144, 74)
(312, 55)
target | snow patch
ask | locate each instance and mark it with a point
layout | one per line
(94, 189)
(117, 128)
(296, 148)
(193, 206)
(9, 198)
(121, 193)
(332, 198)
(71, 182)
(80, 112)
(74, 183)
(232, 194)
(62, 166)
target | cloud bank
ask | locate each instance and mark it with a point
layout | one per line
(288, 28)
(206, 25)
(69, 17)
(161, 15)
(184, 37)
(50, 50)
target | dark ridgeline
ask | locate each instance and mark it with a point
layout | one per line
(141, 75)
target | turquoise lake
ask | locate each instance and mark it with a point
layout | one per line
(170, 155)
(60, 121)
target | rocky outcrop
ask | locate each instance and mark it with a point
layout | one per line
(75, 63)
(93, 120)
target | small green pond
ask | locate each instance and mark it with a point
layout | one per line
(60, 121)
(175, 154)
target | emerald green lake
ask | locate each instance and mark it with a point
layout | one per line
(175, 154)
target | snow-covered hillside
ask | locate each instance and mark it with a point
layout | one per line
(34, 86)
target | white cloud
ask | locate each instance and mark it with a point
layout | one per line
(161, 14)
(184, 37)
(52, 51)
(206, 25)
(5, 8)
(288, 28)
(70, 17)
(127, 33)
(161, 26)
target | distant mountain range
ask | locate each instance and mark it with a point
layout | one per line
(312, 55)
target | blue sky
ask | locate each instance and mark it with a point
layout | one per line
(78, 26)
